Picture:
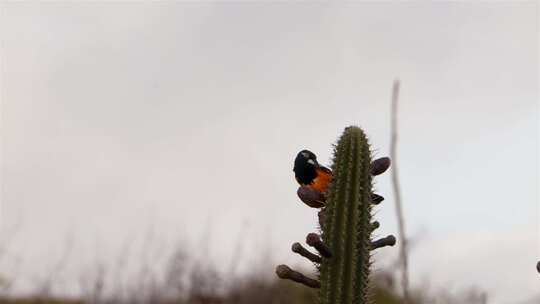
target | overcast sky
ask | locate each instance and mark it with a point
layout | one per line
(183, 120)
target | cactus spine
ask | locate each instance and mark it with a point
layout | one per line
(347, 225)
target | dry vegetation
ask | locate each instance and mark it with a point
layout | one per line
(186, 280)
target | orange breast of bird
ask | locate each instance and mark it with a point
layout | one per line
(322, 181)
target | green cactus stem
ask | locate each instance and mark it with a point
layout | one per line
(347, 227)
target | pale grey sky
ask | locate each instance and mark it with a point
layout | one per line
(185, 117)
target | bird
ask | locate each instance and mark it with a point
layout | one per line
(313, 178)
(308, 172)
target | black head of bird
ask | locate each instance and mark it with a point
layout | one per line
(305, 166)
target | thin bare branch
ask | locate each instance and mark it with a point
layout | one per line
(397, 194)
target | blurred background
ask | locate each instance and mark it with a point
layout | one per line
(147, 147)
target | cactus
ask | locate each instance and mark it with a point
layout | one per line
(346, 225)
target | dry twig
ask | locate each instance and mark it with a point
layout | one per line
(397, 194)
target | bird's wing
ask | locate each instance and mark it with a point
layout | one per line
(325, 169)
